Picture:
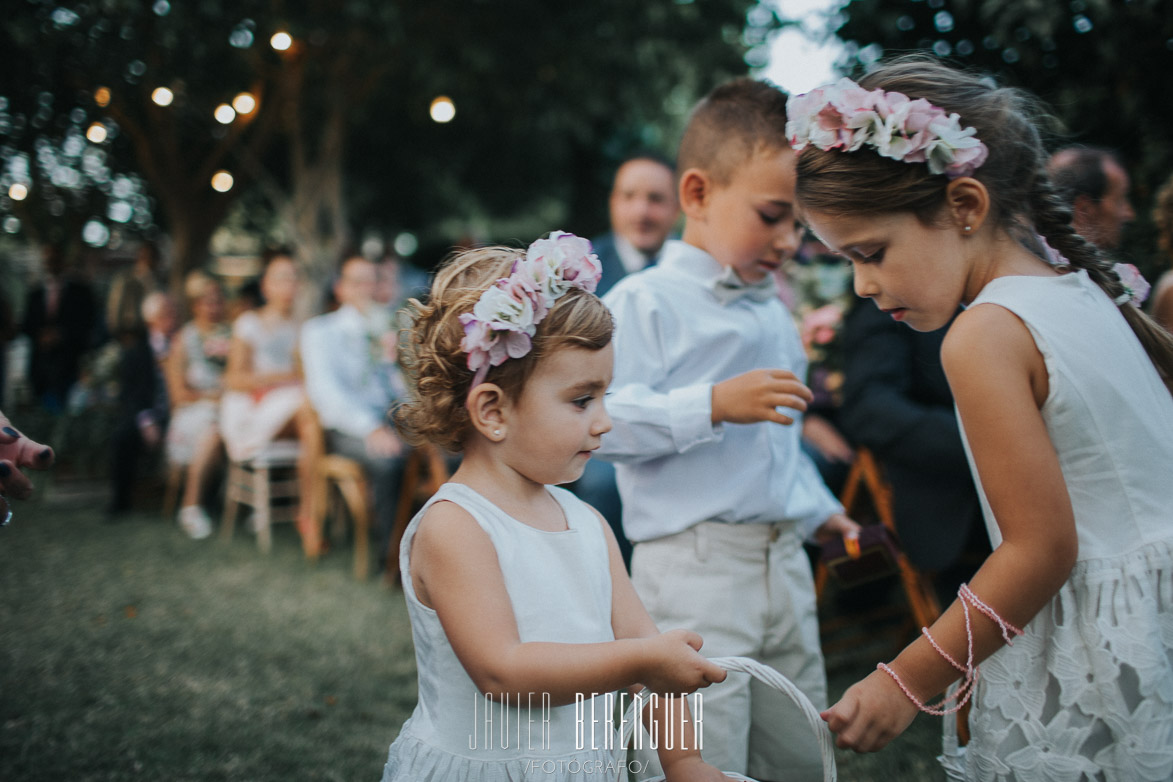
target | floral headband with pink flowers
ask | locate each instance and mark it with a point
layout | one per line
(505, 318)
(845, 116)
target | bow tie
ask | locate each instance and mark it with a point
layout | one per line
(729, 288)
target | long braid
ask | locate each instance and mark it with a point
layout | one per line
(1052, 219)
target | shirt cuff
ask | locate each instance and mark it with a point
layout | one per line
(690, 415)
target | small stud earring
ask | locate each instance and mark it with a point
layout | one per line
(968, 228)
(496, 432)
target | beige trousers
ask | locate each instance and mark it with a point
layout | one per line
(748, 590)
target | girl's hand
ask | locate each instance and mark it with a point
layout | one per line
(675, 666)
(870, 714)
(690, 768)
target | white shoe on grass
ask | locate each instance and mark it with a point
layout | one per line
(195, 522)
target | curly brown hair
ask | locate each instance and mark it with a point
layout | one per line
(436, 367)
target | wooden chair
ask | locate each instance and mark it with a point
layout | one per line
(423, 475)
(268, 484)
(340, 477)
(866, 475)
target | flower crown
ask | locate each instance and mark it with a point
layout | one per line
(845, 116)
(506, 316)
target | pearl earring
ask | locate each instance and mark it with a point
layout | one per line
(496, 432)
(968, 228)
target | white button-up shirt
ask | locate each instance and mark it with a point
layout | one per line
(673, 341)
(349, 379)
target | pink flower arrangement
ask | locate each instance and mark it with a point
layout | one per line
(846, 117)
(820, 326)
(1136, 287)
(505, 318)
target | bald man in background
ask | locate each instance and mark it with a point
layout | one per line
(643, 210)
(1095, 185)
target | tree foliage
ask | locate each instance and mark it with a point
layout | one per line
(547, 97)
(1103, 66)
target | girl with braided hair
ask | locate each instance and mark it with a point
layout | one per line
(932, 182)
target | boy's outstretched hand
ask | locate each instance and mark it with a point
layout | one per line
(836, 526)
(675, 665)
(756, 396)
(870, 714)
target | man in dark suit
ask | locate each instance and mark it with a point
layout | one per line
(59, 319)
(897, 403)
(643, 210)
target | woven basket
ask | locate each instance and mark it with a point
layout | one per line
(766, 675)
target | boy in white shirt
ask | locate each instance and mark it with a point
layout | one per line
(706, 405)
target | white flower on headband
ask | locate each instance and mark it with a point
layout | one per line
(1136, 287)
(846, 117)
(507, 315)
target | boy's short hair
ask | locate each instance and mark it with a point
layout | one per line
(730, 125)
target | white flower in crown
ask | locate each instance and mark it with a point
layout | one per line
(954, 150)
(499, 327)
(568, 261)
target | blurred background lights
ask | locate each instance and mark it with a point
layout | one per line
(222, 181)
(281, 41)
(244, 103)
(406, 244)
(96, 133)
(102, 96)
(162, 96)
(18, 192)
(443, 109)
(225, 114)
(95, 234)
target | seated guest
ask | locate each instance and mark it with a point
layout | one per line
(264, 399)
(194, 373)
(142, 396)
(352, 379)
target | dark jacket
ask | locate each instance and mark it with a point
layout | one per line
(897, 403)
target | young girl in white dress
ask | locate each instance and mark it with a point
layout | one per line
(264, 398)
(522, 613)
(932, 183)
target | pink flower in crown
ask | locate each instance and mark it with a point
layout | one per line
(563, 261)
(1135, 285)
(499, 327)
(904, 133)
(954, 150)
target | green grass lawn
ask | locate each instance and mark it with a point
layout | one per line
(129, 652)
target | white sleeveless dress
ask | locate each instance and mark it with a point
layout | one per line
(1087, 692)
(559, 585)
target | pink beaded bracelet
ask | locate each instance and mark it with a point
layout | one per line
(970, 671)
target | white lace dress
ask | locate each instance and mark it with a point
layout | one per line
(1087, 692)
(559, 586)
